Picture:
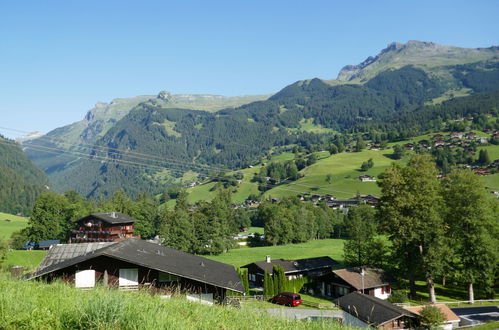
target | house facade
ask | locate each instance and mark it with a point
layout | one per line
(133, 263)
(368, 280)
(311, 267)
(103, 227)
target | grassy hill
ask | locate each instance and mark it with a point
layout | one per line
(34, 305)
(8, 227)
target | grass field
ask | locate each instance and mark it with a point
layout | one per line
(28, 259)
(344, 168)
(316, 248)
(8, 227)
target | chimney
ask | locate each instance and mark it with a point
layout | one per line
(267, 259)
(113, 215)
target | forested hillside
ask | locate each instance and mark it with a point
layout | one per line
(154, 145)
(21, 182)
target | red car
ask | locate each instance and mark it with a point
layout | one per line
(287, 299)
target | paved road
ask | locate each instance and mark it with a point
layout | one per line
(476, 310)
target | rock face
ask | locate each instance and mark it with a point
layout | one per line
(418, 53)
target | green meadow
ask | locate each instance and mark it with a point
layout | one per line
(8, 227)
(316, 248)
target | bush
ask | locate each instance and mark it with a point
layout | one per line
(398, 297)
(431, 317)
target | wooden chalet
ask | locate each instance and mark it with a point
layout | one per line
(103, 227)
(311, 267)
(133, 263)
(369, 280)
(370, 311)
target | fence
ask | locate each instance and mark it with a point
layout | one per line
(477, 302)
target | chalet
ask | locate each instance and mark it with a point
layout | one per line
(370, 311)
(311, 267)
(437, 137)
(340, 204)
(370, 200)
(369, 280)
(103, 227)
(451, 319)
(482, 140)
(439, 143)
(133, 263)
(367, 178)
(470, 135)
(456, 135)
(409, 146)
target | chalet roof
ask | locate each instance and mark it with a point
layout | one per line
(291, 266)
(373, 277)
(370, 309)
(146, 254)
(110, 217)
(62, 252)
(446, 311)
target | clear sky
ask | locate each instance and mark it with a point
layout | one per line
(57, 58)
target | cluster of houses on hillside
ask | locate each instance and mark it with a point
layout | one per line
(104, 251)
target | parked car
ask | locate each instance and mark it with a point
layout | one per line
(287, 299)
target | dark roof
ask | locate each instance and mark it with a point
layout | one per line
(291, 266)
(150, 255)
(62, 252)
(111, 218)
(371, 310)
(373, 277)
(48, 243)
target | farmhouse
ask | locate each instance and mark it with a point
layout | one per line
(370, 311)
(451, 319)
(367, 178)
(103, 227)
(133, 263)
(312, 267)
(369, 280)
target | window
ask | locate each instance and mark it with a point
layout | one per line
(165, 277)
(85, 278)
(129, 276)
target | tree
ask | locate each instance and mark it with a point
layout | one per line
(177, 229)
(50, 218)
(411, 210)
(329, 178)
(431, 317)
(243, 275)
(3, 250)
(472, 216)
(333, 149)
(279, 279)
(367, 165)
(361, 229)
(483, 157)
(398, 151)
(268, 285)
(360, 145)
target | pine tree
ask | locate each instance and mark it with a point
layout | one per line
(268, 285)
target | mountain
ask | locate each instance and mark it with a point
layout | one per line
(155, 144)
(427, 55)
(20, 180)
(50, 155)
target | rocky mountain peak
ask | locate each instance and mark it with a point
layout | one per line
(164, 95)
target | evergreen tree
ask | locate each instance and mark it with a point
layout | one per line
(268, 285)
(483, 158)
(279, 279)
(176, 226)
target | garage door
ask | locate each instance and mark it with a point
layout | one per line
(129, 277)
(85, 278)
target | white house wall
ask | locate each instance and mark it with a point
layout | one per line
(378, 294)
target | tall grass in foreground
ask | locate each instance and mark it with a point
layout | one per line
(34, 305)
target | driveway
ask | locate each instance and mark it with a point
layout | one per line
(477, 315)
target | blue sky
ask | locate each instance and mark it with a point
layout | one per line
(57, 58)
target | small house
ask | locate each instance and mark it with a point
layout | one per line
(134, 264)
(367, 178)
(451, 319)
(311, 267)
(368, 311)
(103, 227)
(369, 280)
